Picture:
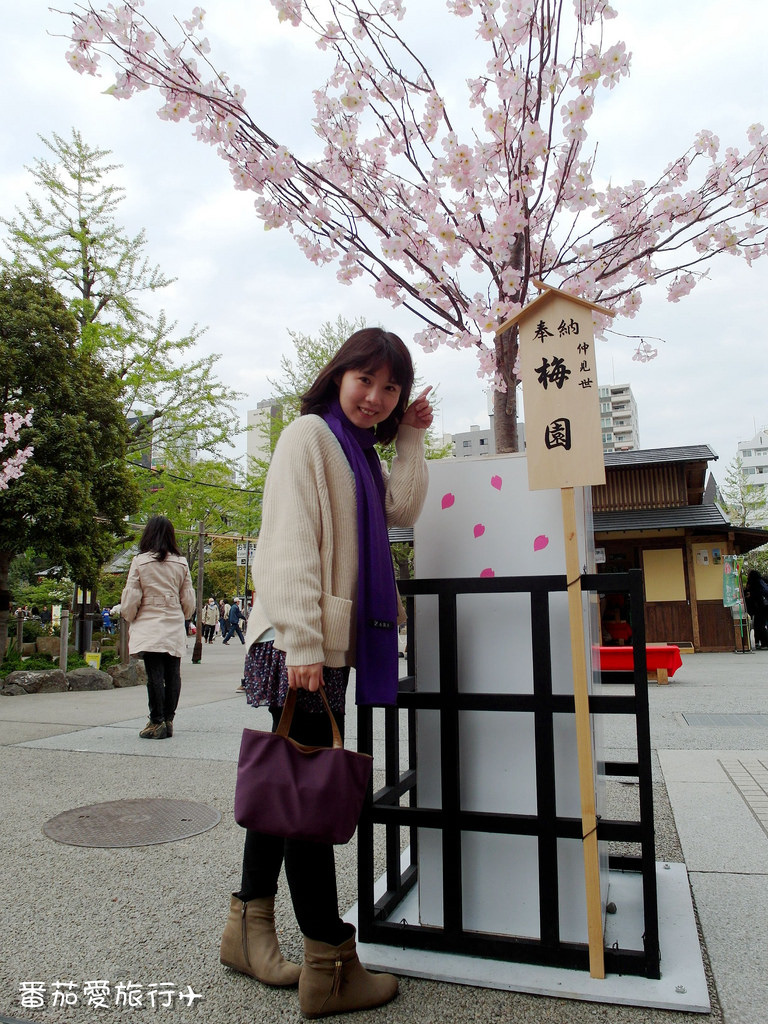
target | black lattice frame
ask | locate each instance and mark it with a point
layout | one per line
(384, 807)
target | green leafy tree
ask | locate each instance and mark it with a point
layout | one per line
(746, 502)
(221, 576)
(76, 489)
(68, 233)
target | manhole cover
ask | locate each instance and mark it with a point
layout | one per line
(119, 823)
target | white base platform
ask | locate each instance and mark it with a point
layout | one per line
(682, 986)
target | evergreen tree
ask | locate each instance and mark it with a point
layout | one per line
(76, 488)
(69, 234)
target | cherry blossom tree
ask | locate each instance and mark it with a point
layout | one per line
(452, 213)
(13, 467)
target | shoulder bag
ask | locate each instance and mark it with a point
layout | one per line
(285, 788)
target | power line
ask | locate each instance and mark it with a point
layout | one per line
(189, 480)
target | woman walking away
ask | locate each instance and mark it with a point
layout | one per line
(158, 596)
(325, 599)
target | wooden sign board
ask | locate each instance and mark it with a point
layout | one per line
(562, 408)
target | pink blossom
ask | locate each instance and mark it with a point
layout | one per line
(454, 224)
(12, 467)
(288, 10)
(196, 21)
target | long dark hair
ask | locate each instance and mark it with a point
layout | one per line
(159, 537)
(368, 349)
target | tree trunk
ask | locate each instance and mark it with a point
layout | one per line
(5, 600)
(505, 402)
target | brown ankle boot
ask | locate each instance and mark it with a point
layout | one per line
(334, 981)
(249, 943)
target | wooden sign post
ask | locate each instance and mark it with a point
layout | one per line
(564, 450)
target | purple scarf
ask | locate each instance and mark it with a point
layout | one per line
(376, 660)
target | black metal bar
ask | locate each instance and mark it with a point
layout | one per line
(365, 848)
(388, 903)
(629, 769)
(450, 771)
(392, 778)
(645, 779)
(546, 801)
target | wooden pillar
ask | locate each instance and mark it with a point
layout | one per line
(64, 639)
(692, 591)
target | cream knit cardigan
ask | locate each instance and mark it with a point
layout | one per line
(305, 566)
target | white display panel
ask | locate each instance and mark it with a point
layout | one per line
(480, 519)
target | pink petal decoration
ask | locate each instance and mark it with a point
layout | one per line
(488, 573)
(496, 482)
(540, 542)
(448, 500)
(479, 530)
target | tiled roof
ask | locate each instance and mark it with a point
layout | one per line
(687, 517)
(652, 456)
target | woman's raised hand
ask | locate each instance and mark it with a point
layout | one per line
(419, 412)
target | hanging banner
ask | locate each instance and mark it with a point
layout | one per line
(732, 597)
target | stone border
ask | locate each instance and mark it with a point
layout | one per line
(54, 680)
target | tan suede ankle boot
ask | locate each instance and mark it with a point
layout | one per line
(334, 981)
(249, 943)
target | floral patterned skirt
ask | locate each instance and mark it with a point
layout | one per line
(266, 681)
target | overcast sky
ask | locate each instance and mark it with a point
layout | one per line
(696, 64)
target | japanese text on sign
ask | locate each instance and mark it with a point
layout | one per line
(562, 412)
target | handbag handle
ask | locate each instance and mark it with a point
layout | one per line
(286, 718)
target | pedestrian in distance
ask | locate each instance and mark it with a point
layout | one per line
(756, 599)
(325, 599)
(210, 618)
(235, 615)
(157, 598)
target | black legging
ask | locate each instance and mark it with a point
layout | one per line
(163, 685)
(310, 868)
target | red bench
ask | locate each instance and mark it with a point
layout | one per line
(662, 660)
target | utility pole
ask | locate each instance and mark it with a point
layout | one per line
(197, 652)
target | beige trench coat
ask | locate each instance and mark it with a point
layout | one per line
(156, 599)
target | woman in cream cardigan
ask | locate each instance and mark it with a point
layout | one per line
(325, 599)
(158, 596)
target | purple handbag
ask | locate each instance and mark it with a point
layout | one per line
(287, 789)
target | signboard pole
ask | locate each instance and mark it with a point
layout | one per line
(583, 738)
(564, 447)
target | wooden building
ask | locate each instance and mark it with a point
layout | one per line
(656, 513)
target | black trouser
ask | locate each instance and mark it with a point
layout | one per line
(234, 627)
(163, 685)
(309, 867)
(208, 631)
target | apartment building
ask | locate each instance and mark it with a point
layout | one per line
(618, 418)
(754, 457)
(259, 440)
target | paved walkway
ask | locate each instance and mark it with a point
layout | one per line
(147, 920)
